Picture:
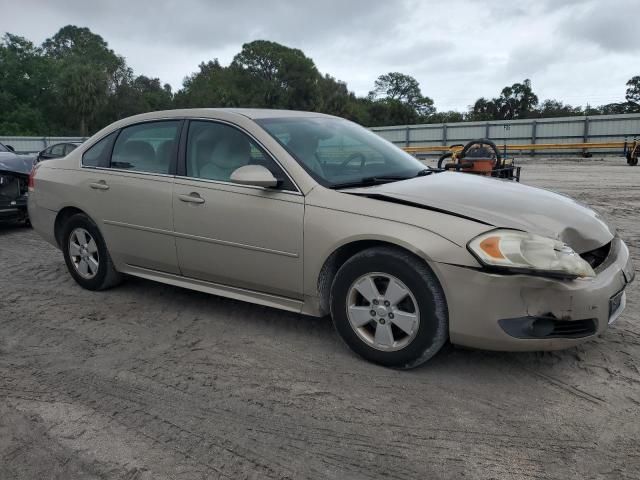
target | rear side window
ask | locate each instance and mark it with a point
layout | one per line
(98, 155)
(146, 147)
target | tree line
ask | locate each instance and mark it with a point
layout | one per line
(74, 84)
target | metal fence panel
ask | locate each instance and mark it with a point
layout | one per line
(605, 126)
(425, 135)
(457, 132)
(542, 130)
(517, 131)
(601, 128)
(557, 130)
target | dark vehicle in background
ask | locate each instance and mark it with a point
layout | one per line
(58, 150)
(14, 180)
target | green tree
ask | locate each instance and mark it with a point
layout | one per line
(484, 109)
(633, 93)
(25, 87)
(333, 97)
(275, 76)
(88, 73)
(390, 112)
(555, 108)
(398, 87)
(446, 117)
(517, 101)
(212, 86)
(616, 108)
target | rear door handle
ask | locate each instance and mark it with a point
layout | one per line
(193, 197)
(101, 185)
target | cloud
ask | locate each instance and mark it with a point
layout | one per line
(458, 50)
(203, 24)
(611, 25)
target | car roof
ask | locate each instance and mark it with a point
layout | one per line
(212, 113)
(252, 113)
(257, 113)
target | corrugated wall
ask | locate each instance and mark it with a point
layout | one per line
(602, 128)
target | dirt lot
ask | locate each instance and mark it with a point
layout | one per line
(149, 381)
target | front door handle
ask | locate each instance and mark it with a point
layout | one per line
(101, 185)
(193, 197)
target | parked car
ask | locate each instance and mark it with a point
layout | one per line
(14, 175)
(315, 214)
(58, 150)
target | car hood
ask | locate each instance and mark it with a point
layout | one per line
(10, 162)
(500, 203)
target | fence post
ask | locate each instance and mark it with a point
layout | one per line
(44, 143)
(487, 130)
(585, 135)
(444, 134)
(407, 139)
(534, 131)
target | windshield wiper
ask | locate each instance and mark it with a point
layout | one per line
(380, 180)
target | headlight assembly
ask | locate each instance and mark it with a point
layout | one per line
(529, 253)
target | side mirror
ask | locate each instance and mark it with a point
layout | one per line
(10, 148)
(255, 175)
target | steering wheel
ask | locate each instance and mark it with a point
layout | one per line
(352, 157)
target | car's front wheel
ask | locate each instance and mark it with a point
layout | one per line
(86, 255)
(389, 307)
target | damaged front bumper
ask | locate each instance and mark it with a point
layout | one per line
(524, 313)
(13, 197)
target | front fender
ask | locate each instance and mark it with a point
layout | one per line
(327, 230)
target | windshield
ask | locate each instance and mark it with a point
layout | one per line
(3, 148)
(339, 153)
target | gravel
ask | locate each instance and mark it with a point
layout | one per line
(149, 381)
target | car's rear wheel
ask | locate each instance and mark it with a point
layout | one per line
(86, 255)
(389, 307)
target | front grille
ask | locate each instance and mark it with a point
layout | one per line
(596, 257)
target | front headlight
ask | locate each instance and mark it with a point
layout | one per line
(526, 252)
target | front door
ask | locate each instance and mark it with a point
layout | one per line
(242, 236)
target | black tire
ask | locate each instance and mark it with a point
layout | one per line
(106, 276)
(433, 329)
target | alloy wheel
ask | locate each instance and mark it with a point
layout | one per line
(84, 253)
(383, 311)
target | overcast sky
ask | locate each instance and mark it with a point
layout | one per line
(577, 51)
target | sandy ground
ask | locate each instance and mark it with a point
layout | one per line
(149, 381)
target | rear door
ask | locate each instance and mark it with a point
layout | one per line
(128, 180)
(237, 235)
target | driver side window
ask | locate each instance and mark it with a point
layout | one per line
(215, 150)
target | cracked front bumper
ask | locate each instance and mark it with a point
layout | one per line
(480, 303)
